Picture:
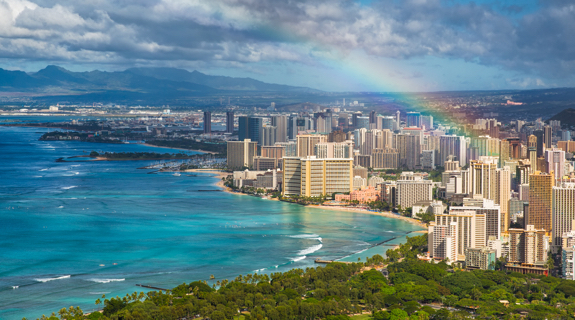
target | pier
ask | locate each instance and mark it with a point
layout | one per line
(330, 261)
(150, 287)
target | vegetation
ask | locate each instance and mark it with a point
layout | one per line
(77, 136)
(141, 155)
(219, 148)
(413, 289)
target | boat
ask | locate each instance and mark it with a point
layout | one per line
(177, 174)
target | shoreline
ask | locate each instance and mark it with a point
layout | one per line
(155, 146)
(388, 214)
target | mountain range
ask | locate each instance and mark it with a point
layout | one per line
(172, 81)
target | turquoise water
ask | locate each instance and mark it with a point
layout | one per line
(70, 232)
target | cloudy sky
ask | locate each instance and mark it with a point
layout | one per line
(334, 45)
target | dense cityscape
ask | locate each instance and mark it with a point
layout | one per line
(287, 160)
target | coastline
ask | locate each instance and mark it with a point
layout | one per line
(155, 146)
(388, 214)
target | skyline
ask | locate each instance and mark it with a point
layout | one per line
(376, 46)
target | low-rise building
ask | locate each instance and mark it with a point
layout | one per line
(480, 258)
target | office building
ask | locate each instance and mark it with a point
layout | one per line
(255, 129)
(540, 201)
(268, 136)
(413, 119)
(540, 142)
(427, 122)
(207, 122)
(229, 122)
(243, 128)
(388, 123)
(281, 124)
(548, 137)
(241, 153)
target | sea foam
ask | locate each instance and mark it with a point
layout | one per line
(70, 187)
(52, 279)
(309, 250)
(105, 280)
(298, 258)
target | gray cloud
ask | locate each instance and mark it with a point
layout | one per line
(239, 32)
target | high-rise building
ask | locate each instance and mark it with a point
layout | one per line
(306, 144)
(540, 142)
(503, 194)
(268, 136)
(372, 117)
(555, 159)
(469, 227)
(207, 122)
(483, 179)
(387, 158)
(528, 246)
(540, 200)
(411, 191)
(337, 136)
(532, 155)
(427, 122)
(255, 129)
(241, 153)
(383, 139)
(532, 141)
(397, 121)
(486, 146)
(312, 177)
(276, 151)
(548, 137)
(567, 146)
(230, 122)
(281, 123)
(428, 159)
(455, 146)
(409, 147)
(387, 123)
(413, 119)
(336, 150)
(243, 128)
(362, 122)
(563, 213)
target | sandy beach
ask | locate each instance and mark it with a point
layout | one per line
(387, 214)
(152, 145)
(220, 183)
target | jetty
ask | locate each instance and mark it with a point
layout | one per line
(330, 261)
(151, 287)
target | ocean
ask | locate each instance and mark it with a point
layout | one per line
(70, 232)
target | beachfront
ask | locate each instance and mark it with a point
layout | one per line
(222, 174)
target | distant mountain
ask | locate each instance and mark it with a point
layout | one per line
(19, 79)
(567, 116)
(217, 82)
(136, 85)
